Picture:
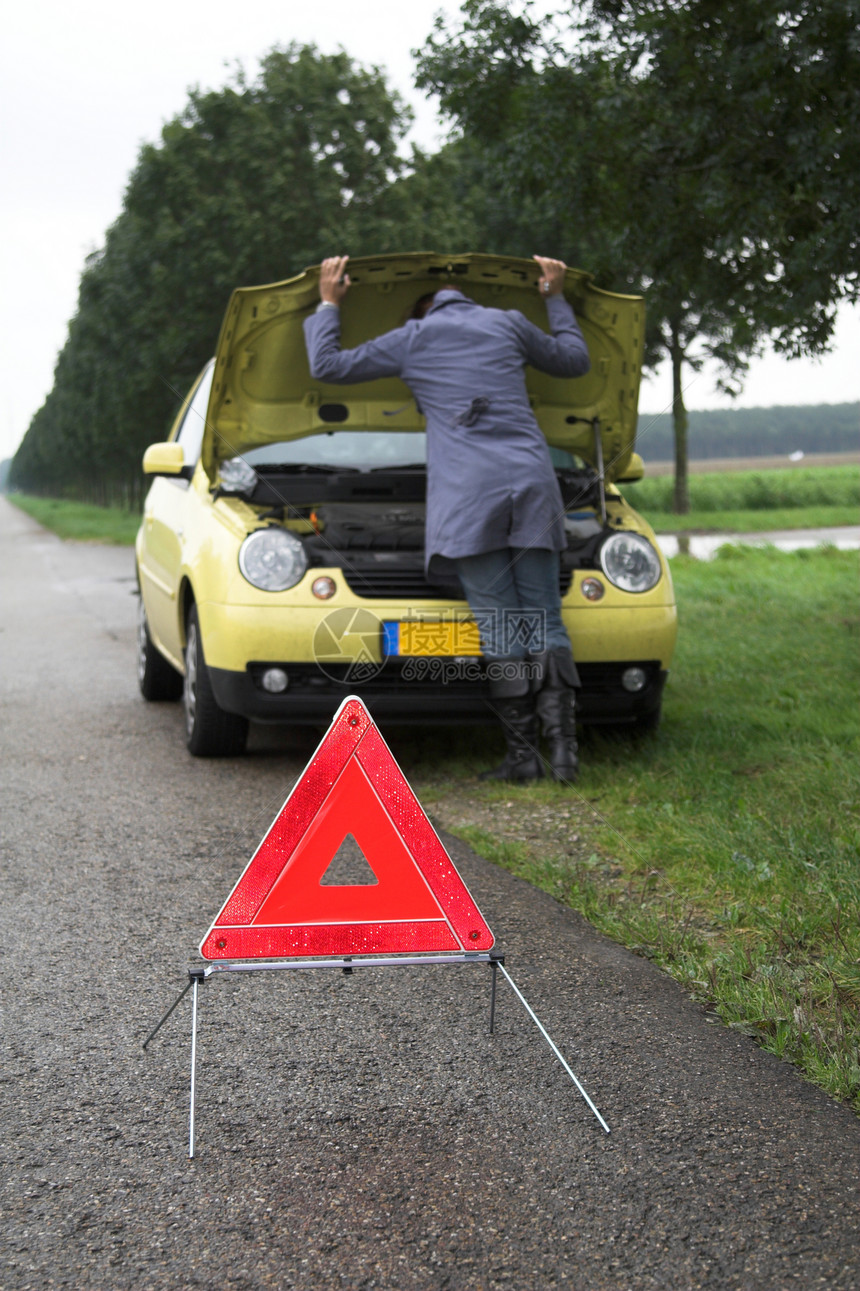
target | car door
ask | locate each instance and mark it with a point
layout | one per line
(168, 520)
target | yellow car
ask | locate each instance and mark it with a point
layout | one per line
(280, 558)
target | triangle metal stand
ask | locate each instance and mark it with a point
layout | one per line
(200, 973)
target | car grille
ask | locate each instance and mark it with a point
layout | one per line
(388, 583)
(392, 583)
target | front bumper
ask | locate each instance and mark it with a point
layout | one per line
(442, 692)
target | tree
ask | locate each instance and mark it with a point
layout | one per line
(769, 93)
(694, 149)
(249, 184)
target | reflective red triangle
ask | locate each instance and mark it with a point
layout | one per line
(352, 785)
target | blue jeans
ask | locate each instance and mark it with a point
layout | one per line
(513, 594)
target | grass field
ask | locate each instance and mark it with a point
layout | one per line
(821, 486)
(818, 517)
(80, 521)
(753, 501)
(725, 847)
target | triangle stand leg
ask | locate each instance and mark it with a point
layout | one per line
(197, 976)
(552, 1044)
(495, 959)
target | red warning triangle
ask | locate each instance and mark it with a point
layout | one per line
(280, 906)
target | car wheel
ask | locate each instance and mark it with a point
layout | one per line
(209, 731)
(157, 679)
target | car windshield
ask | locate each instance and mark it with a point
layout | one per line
(355, 449)
(363, 451)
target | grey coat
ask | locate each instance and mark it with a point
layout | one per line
(490, 481)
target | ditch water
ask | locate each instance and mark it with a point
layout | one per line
(703, 546)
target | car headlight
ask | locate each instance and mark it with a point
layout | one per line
(236, 476)
(272, 559)
(630, 562)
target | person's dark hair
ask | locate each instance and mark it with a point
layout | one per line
(422, 304)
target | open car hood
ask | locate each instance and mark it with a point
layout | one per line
(263, 391)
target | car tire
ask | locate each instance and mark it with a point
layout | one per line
(209, 731)
(157, 679)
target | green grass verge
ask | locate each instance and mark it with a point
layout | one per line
(750, 521)
(80, 521)
(813, 486)
(725, 846)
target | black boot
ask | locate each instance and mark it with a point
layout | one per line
(520, 725)
(511, 698)
(556, 707)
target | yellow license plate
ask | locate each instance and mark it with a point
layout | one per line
(416, 637)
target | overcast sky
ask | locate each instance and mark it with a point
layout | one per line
(83, 85)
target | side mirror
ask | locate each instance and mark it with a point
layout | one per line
(634, 470)
(166, 459)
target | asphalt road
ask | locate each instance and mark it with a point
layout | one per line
(354, 1132)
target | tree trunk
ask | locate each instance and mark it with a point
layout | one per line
(681, 497)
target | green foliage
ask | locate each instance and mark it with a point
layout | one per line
(754, 490)
(761, 94)
(251, 183)
(755, 432)
(699, 150)
(512, 113)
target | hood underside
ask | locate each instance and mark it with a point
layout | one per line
(263, 392)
